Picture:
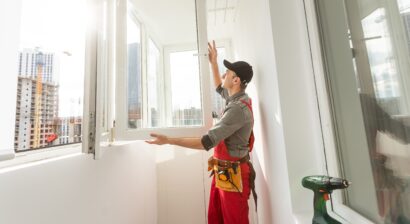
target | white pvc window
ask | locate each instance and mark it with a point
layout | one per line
(154, 90)
(50, 74)
(134, 73)
(218, 104)
(366, 52)
(9, 20)
(160, 74)
(186, 109)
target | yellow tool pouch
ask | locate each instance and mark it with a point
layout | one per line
(229, 179)
(227, 174)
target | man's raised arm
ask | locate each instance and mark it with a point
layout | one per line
(213, 55)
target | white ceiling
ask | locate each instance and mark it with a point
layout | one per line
(221, 17)
(221, 11)
(173, 22)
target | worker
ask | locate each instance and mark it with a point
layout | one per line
(232, 137)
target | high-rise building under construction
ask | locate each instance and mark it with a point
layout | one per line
(37, 96)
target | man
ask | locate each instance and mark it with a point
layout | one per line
(233, 137)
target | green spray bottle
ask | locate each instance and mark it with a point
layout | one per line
(322, 187)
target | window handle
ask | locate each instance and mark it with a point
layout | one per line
(204, 54)
(371, 38)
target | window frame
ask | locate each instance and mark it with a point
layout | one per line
(91, 57)
(335, 208)
(226, 44)
(9, 46)
(160, 85)
(123, 133)
(98, 71)
(168, 50)
(104, 77)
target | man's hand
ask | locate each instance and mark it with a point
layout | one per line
(212, 53)
(158, 139)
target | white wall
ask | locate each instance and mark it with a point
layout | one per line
(288, 144)
(304, 148)
(253, 42)
(119, 188)
(272, 36)
(183, 185)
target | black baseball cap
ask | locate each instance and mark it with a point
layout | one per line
(242, 69)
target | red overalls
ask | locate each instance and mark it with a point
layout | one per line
(230, 207)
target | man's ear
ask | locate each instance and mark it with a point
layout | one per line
(237, 80)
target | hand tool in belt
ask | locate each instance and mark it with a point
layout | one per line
(226, 164)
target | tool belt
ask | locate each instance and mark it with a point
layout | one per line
(228, 175)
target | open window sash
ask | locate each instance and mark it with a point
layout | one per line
(122, 130)
(98, 109)
(339, 101)
(337, 208)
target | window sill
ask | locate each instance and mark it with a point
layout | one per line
(349, 214)
(114, 144)
(144, 134)
(341, 213)
(6, 154)
(344, 215)
(25, 159)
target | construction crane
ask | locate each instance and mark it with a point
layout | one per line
(38, 100)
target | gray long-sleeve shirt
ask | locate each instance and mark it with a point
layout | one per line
(234, 127)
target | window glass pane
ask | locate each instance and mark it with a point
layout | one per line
(383, 64)
(50, 74)
(153, 72)
(218, 104)
(185, 86)
(221, 18)
(386, 112)
(371, 103)
(164, 82)
(134, 73)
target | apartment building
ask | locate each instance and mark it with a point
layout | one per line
(28, 69)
